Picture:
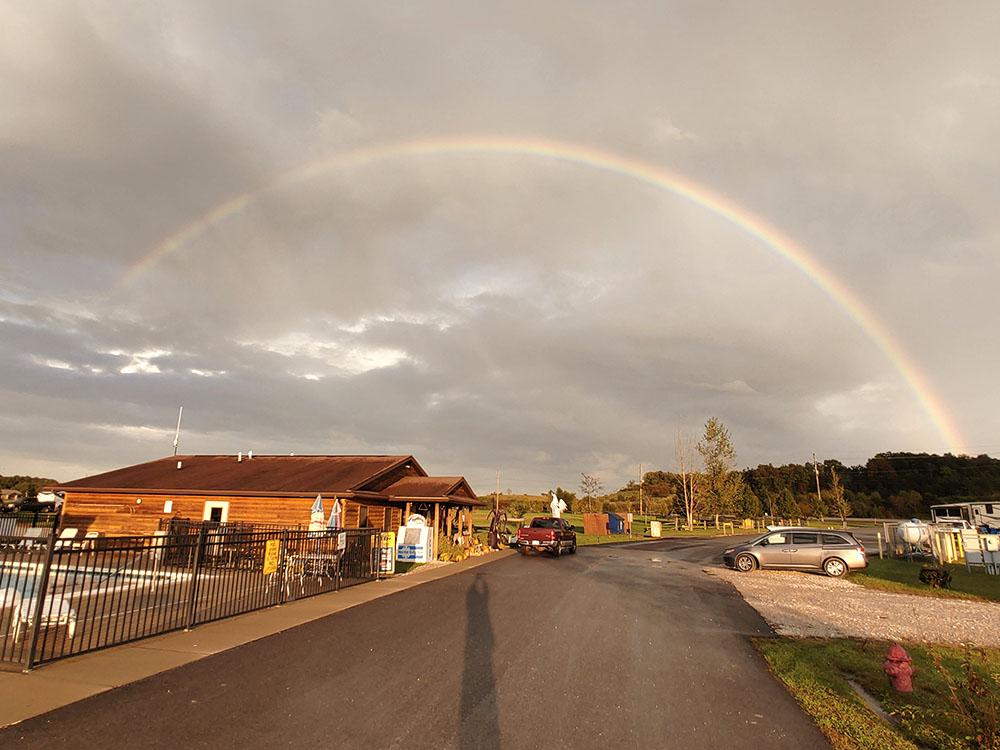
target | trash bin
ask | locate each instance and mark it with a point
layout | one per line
(655, 529)
(616, 524)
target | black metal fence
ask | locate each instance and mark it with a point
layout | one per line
(60, 598)
(179, 525)
(16, 523)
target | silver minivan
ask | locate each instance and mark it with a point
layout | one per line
(833, 552)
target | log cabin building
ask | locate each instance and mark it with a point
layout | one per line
(375, 492)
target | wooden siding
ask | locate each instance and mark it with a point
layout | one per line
(121, 515)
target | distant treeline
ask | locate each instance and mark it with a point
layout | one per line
(898, 485)
(889, 484)
(29, 486)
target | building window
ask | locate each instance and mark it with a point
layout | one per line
(362, 516)
(216, 511)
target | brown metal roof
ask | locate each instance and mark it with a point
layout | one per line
(260, 474)
(445, 489)
(422, 486)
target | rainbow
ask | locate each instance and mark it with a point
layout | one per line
(587, 156)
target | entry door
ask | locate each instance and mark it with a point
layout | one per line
(774, 551)
(805, 550)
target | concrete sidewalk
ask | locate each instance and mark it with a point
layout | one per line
(69, 680)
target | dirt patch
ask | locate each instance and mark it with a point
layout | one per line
(803, 604)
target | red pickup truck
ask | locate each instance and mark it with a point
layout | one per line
(547, 533)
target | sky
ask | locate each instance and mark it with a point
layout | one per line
(313, 287)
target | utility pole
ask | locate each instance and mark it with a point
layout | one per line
(819, 495)
(640, 491)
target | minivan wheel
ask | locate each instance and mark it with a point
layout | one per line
(745, 563)
(834, 567)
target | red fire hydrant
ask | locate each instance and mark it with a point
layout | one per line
(897, 665)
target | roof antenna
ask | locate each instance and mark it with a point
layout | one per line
(177, 434)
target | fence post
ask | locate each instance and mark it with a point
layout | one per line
(341, 554)
(39, 593)
(283, 566)
(195, 571)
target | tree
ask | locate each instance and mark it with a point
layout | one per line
(771, 502)
(906, 504)
(786, 504)
(748, 504)
(723, 486)
(566, 496)
(838, 503)
(589, 486)
(684, 452)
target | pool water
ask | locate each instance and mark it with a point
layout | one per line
(60, 582)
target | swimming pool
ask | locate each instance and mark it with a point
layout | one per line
(24, 578)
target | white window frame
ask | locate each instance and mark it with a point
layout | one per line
(211, 505)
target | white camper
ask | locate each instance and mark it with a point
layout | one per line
(967, 515)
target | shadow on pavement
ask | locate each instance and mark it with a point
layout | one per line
(479, 725)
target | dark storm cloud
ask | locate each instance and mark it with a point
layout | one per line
(485, 310)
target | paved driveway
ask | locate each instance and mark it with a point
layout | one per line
(612, 647)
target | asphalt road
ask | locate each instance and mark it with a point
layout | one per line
(625, 646)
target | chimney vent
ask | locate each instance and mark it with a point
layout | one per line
(179, 464)
(249, 454)
(239, 457)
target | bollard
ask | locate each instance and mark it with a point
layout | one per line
(898, 668)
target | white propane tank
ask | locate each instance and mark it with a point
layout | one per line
(914, 532)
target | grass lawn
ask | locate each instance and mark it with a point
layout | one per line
(901, 576)
(816, 673)
(640, 528)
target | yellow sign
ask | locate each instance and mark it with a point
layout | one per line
(272, 551)
(387, 553)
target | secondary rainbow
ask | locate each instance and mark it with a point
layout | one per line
(588, 156)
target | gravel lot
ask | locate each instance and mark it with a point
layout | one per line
(804, 604)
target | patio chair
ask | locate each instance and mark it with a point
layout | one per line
(56, 611)
(88, 540)
(66, 538)
(33, 537)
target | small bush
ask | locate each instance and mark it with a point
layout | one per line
(935, 577)
(975, 698)
(518, 508)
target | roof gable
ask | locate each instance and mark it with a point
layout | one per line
(428, 487)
